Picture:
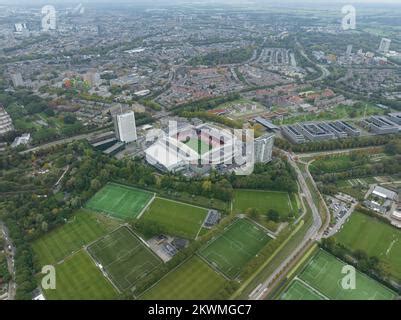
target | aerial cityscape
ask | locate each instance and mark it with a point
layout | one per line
(209, 150)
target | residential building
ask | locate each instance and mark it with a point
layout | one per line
(125, 127)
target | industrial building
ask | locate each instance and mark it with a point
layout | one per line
(263, 148)
(125, 127)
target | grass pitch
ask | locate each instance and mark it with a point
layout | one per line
(177, 218)
(300, 291)
(77, 278)
(200, 149)
(83, 228)
(124, 257)
(233, 249)
(263, 201)
(120, 201)
(193, 280)
(324, 273)
(374, 237)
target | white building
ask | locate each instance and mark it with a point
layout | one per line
(6, 124)
(23, 140)
(384, 45)
(17, 80)
(264, 148)
(125, 127)
(384, 193)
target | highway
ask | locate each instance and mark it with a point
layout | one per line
(315, 232)
(10, 254)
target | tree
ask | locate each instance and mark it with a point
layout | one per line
(273, 215)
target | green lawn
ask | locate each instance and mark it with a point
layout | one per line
(83, 228)
(374, 237)
(300, 291)
(193, 280)
(263, 201)
(324, 273)
(235, 247)
(78, 278)
(119, 201)
(177, 218)
(124, 257)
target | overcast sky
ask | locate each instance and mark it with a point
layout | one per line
(198, 1)
(154, 2)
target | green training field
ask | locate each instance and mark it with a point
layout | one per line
(263, 201)
(300, 291)
(324, 273)
(123, 257)
(120, 201)
(193, 280)
(78, 278)
(234, 248)
(83, 228)
(177, 218)
(374, 237)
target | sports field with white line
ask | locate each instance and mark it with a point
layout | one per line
(124, 257)
(120, 201)
(323, 275)
(233, 249)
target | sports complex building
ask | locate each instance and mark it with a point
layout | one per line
(196, 148)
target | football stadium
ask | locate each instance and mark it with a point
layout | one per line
(192, 146)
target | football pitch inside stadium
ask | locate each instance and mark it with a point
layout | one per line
(120, 201)
(198, 145)
(324, 274)
(177, 218)
(233, 249)
(124, 257)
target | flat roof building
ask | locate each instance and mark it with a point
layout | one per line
(293, 134)
(395, 117)
(380, 125)
(315, 131)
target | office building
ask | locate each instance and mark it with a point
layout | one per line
(384, 45)
(263, 147)
(125, 127)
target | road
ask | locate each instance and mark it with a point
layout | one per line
(65, 140)
(323, 69)
(330, 152)
(314, 233)
(10, 254)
